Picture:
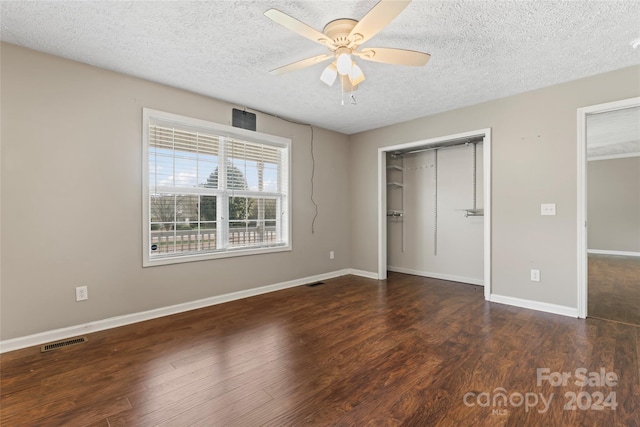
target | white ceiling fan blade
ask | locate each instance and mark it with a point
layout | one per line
(298, 27)
(378, 17)
(393, 56)
(301, 64)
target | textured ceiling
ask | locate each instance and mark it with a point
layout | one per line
(481, 50)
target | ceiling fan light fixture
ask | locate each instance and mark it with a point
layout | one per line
(329, 74)
(344, 37)
(356, 75)
(344, 63)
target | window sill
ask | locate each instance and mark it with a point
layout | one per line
(231, 253)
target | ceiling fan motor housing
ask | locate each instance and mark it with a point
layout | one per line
(338, 31)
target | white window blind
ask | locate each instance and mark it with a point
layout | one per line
(212, 191)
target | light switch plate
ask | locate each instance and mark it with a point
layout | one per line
(548, 209)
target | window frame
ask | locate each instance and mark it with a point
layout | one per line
(285, 224)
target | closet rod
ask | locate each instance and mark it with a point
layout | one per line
(442, 147)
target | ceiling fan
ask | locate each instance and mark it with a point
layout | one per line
(343, 37)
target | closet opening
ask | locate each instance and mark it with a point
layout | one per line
(434, 208)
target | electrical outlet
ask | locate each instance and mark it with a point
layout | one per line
(535, 275)
(82, 293)
(332, 255)
(548, 209)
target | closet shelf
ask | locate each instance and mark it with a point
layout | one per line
(473, 212)
(395, 213)
(396, 167)
(395, 183)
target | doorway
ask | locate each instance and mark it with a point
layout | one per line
(609, 211)
(483, 135)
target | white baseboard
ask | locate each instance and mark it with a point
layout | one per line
(363, 273)
(461, 279)
(114, 322)
(535, 305)
(606, 252)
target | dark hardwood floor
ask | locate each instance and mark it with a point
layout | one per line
(407, 351)
(614, 288)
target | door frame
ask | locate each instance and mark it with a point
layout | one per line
(582, 192)
(382, 197)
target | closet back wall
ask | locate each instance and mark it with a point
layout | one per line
(459, 254)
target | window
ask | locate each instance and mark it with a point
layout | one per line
(211, 191)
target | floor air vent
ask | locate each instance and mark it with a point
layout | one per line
(63, 343)
(311, 285)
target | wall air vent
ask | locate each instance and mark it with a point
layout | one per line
(64, 343)
(243, 119)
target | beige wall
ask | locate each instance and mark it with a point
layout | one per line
(534, 161)
(613, 198)
(460, 240)
(71, 193)
(71, 198)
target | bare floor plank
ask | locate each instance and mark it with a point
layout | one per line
(407, 351)
(614, 288)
